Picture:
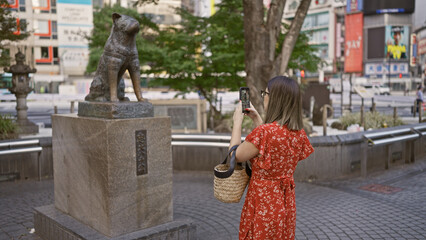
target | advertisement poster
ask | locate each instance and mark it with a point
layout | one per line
(353, 42)
(353, 6)
(396, 38)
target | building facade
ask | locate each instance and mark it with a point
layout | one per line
(324, 26)
(57, 46)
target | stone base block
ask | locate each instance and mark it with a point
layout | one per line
(27, 127)
(115, 110)
(114, 175)
(52, 224)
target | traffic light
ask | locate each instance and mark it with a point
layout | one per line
(400, 75)
(302, 73)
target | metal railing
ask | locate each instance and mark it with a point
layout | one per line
(26, 146)
(201, 140)
(407, 135)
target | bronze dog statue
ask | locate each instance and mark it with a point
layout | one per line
(120, 54)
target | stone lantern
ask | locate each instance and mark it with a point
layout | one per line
(21, 88)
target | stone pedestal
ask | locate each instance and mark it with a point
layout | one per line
(113, 175)
(115, 110)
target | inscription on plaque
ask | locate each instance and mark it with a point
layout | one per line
(141, 153)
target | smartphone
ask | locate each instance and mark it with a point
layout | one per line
(245, 98)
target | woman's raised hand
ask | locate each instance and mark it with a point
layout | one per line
(254, 115)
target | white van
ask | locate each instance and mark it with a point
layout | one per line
(377, 89)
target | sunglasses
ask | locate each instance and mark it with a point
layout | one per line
(263, 93)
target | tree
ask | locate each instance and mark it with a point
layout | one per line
(246, 24)
(202, 55)
(262, 28)
(102, 24)
(8, 29)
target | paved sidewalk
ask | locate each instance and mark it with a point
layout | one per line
(336, 209)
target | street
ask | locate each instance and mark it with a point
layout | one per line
(41, 106)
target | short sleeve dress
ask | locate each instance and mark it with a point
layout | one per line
(269, 211)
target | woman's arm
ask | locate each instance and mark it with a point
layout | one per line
(246, 150)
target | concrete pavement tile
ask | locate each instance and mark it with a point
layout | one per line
(338, 210)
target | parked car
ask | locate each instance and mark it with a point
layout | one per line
(377, 89)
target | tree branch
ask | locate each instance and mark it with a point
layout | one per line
(292, 35)
(273, 24)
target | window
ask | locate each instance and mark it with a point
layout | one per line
(318, 37)
(53, 6)
(42, 28)
(322, 19)
(316, 20)
(44, 52)
(44, 55)
(40, 3)
(322, 52)
(41, 6)
(22, 5)
(54, 30)
(23, 25)
(55, 56)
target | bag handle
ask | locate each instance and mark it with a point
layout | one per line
(231, 169)
(228, 173)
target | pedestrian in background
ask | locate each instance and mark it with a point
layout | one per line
(274, 148)
(419, 99)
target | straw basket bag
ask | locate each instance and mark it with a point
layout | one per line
(230, 179)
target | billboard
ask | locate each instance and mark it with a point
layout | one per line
(75, 21)
(388, 6)
(353, 42)
(396, 38)
(378, 69)
(354, 6)
(375, 43)
(413, 50)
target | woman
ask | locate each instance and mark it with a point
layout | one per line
(274, 149)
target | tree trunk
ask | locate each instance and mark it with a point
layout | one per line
(260, 43)
(256, 50)
(261, 36)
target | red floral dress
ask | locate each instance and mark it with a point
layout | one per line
(269, 210)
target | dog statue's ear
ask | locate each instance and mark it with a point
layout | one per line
(115, 16)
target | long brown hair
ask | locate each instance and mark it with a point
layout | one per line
(285, 103)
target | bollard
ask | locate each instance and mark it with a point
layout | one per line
(311, 107)
(55, 109)
(324, 118)
(362, 113)
(72, 107)
(373, 105)
(395, 115)
(364, 159)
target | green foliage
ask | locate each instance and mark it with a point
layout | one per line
(8, 127)
(102, 24)
(203, 54)
(8, 26)
(208, 53)
(373, 120)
